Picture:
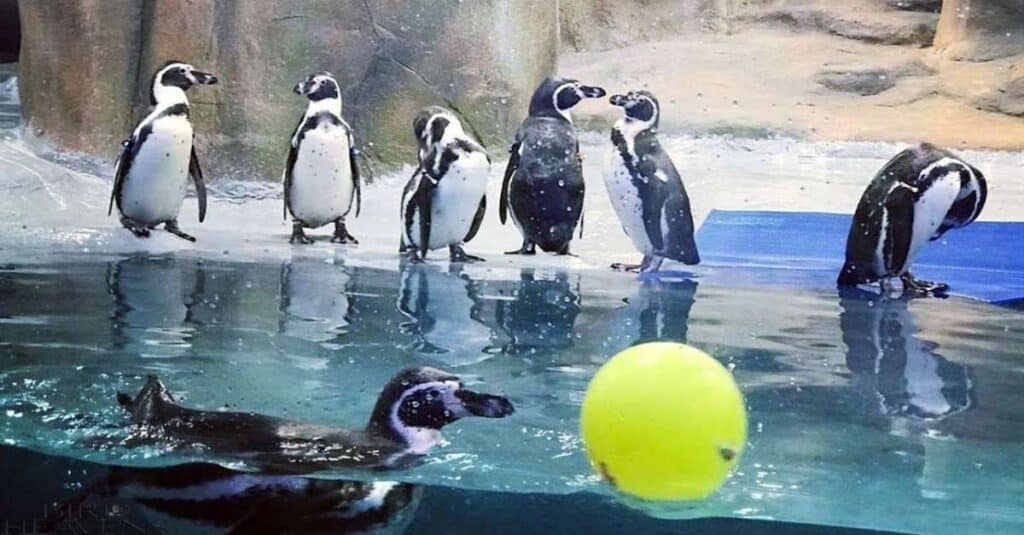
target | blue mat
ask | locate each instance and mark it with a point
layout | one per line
(983, 261)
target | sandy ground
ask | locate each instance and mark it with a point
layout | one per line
(763, 80)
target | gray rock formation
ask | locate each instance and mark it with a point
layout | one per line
(589, 25)
(870, 81)
(981, 30)
(85, 63)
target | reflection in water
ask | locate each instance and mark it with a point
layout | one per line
(153, 305)
(661, 310)
(314, 300)
(439, 306)
(910, 377)
(532, 315)
(207, 498)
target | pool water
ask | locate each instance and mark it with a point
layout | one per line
(868, 413)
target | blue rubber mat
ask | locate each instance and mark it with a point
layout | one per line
(983, 261)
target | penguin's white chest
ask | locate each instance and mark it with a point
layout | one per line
(930, 210)
(626, 201)
(456, 200)
(155, 186)
(322, 186)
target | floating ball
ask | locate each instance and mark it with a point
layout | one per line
(664, 421)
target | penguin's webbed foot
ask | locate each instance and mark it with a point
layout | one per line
(136, 228)
(458, 254)
(528, 248)
(298, 236)
(412, 256)
(341, 235)
(630, 268)
(172, 227)
(920, 288)
(652, 264)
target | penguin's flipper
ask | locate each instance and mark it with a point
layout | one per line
(196, 173)
(899, 209)
(513, 163)
(353, 153)
(652, 205)
(124, 163)
(293, 154)
(417, 205)
(478, 219)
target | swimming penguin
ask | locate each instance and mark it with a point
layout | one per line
(543, 185)
(645, 189)
(917, 197)
(444, 202)
(406, 423)
(158, 159)
(208, 498)
(321, 176)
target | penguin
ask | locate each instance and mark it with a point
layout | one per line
(543, 185)
(532, 316)
(908, 376)
(208, 498)
(321, 177)
(444, 202)
(156, 162)
(645, 189)
(918, 196)
(405, 424)
(315, 304)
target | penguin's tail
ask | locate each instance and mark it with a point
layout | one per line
(148, 406)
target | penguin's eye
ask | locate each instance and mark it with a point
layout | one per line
(181, 70)
(432, 394)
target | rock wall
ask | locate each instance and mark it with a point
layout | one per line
(591, 25)
(482, 58)
(980, 30)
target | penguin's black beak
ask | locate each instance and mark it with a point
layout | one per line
(617, 100)
(484, 405)
(592, 91)
(301, 88)
(204, 78)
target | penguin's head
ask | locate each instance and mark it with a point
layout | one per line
(417, 402)
(639, 106)
(318, 86)
(430, 124)
(180, 75)
(555, 96)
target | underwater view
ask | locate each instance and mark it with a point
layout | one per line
(390, 316)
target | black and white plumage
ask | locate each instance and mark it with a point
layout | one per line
(208, 498)
(321, 176)
(406, 423)
(917, 197)
(158, 159)
(645, 189)
(543, 185)
(444, 202)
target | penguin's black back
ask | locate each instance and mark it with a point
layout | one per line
(546, 192)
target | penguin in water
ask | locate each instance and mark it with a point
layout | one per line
(543, 185)
(918, 196)
(158, 159)
(208, 498)
(645, 189)
(406, 423)
(444, 202)
(321, 177)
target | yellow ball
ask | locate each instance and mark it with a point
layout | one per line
(664, 421)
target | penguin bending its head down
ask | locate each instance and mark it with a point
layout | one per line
(543, 185)
(444, 202)
(406, 422)
(645, 189)
(321, 177)
(918, 196)
(156, 162)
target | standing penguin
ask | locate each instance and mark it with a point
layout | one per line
(919, 195)
(645, 189)
(321, 177)
(543, 184)
(444, 202)
(156, 162)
